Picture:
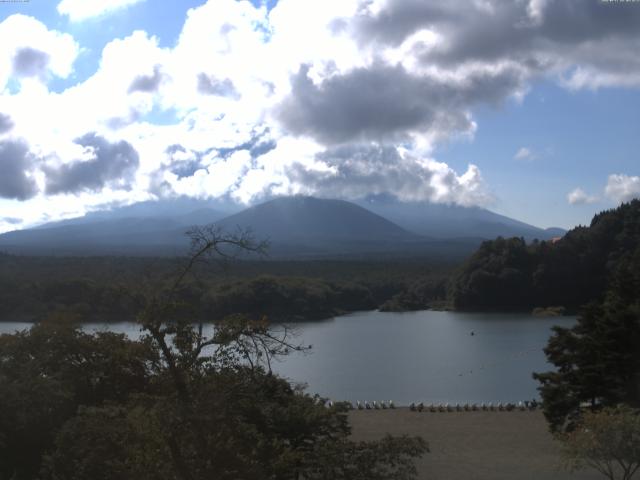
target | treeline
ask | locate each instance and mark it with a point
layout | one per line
(598, 360)
(112, 288)
(511, 274)
(287, 298)
(428, 292)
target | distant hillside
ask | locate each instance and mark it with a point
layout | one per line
(297, 227)
(105, 233)
(179, 210)
(509, 274)
(554, 232)
(319, 225)
(453, 221)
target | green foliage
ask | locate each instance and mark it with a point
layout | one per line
(607, 441)
(113, 288)
(509, 274)
(428, 292)
(108, 443)
(286, 298)
(598, 360)
(496, 275)
(177, 404)
(548, 312)
(46, 373)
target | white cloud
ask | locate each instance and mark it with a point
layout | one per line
(384, 80)
(579, 197)
(587, 43)
(622, 188)
(357, 171)
(78, 10)
(524, 153)
(31, 50)
(535, 9)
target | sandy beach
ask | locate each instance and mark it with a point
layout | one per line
(474, 445)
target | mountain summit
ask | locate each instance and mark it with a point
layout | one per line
(313, 219)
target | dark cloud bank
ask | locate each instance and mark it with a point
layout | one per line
(15, 162)
(524, 31)
(384, 103)
(112, 164)
(209, 85)
(30, 62)
(147, 83)
(6, 124)
(486, 51)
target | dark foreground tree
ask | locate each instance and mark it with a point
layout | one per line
(607, 441)
(188, 401)
(598, 360)
(46, 373)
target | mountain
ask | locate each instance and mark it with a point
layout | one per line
(145, 228)
(183, 210)
(295, 226)
(310, 227)
(312, 220)
(453, 221)
(555, 232)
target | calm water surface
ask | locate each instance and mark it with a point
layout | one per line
(418, 356)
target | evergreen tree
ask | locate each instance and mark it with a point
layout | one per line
(597, 360)
(571, 272)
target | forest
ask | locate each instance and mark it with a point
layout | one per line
(509, 274)
(598, 360)
(109, 288)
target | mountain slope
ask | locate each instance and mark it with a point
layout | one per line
(452, 221)
(295, 226)
(311, 226)
(109, 235)
(316, 220)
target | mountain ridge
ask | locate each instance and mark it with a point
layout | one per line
(295, 225)
(453, 221)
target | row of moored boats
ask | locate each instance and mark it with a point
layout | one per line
(442, 407)
(475, 407)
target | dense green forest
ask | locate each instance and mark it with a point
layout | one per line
(511, 274)
(598, 360)
(110, 288)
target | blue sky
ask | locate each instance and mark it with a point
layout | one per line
(576, 138)
(529, 108)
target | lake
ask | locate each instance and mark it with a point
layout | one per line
(411, 357)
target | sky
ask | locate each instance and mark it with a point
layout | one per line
(530, 108)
